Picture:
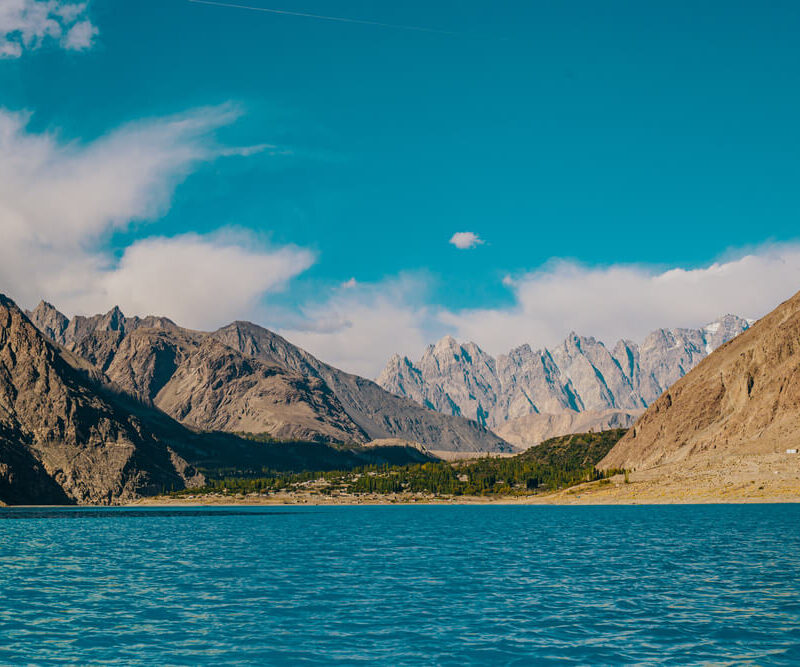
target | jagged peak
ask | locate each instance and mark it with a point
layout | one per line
(46, 306)
(399, 360)
(115, 316)
(728, 319)
(446, 343)
(520, 352)
(248, 326)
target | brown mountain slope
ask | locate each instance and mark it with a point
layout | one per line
(64, 437)
(742, 400)
(201, 382)
(379, 413)
(300, 397)
(217, 388)
(69, 435)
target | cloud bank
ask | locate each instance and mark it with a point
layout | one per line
(60, 201)
(624, 301)
(26, 25)
(365, 326)
(361, 325)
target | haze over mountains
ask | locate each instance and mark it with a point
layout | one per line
(579, 376)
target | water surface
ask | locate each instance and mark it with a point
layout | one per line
(448, 585)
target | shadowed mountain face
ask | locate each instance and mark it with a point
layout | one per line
(744, 399)
(66, 438)
(580, 375)
(243, 378)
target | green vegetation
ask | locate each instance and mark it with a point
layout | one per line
(555, 464)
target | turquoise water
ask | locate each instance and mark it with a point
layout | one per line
(401, 585)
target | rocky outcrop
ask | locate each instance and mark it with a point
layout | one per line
(579, 375)
(536, 428)
(744, 399)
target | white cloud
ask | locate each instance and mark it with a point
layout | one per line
(28, 24)
(466, 240)
(625, 301)
(59, 201)
(360, 326)
(80, 36)
(200, 282)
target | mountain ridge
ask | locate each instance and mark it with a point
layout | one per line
(65, 431)
(281, 390)
(580, 375)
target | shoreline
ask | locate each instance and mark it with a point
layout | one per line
(742, 480)
(156, 502)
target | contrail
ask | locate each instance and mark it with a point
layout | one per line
(340, 19)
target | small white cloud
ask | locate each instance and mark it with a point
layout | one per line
(466, 240)
(80, 36)
(349, 284)
(28, 24)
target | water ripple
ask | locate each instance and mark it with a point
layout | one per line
(401, 586)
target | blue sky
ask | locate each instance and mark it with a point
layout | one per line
(574, 139)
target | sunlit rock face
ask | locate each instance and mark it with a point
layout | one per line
(581, 374)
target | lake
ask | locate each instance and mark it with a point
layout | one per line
(449, 585)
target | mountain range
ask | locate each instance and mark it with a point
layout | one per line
(608, 387)
(106, 409)
(243, 378)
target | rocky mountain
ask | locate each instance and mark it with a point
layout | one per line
(377, 412)
(243, 378)
(69, 434)
(581, 374)
(743, 400)
(65, 436)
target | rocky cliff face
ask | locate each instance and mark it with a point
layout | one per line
(580, 374)
(244, 378)
(744, 399)
(202, 383)
(64, 435)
